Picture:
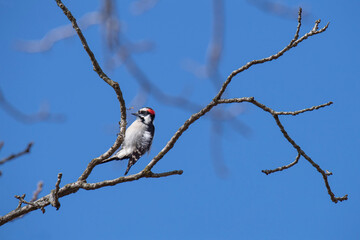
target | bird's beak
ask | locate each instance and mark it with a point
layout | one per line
(135, 114)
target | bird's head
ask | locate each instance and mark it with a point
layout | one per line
(146, 115)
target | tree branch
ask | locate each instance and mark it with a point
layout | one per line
(267, 172)
(58, 34)
(33, 204)
(70, 188)
(112, 83)
(42, 115)
(73, 188)
(275, 115)
(294, 42)
(16, 155)
(146, 172)
(315, 165)
(304, 110)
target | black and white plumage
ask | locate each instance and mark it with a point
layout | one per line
(138, 138)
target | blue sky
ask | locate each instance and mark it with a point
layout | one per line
(200, 204)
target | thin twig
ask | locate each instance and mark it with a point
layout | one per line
(34, 197)
(38, 190)
(54, 195)
(304, 110)
(57, 185)
(296, 37)
(165, 174)
(19, 198)
(16, 155)
(33, 204)
(267, 172)
(328, 173)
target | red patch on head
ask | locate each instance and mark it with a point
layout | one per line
(152, 112)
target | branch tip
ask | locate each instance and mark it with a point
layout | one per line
(54, 195)
(16, 155)
(267, 172)
(328, 173)
(150, 174)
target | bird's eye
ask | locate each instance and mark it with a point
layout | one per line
(143, 112)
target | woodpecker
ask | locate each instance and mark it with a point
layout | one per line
(138, 138)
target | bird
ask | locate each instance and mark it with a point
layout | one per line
(138, 138)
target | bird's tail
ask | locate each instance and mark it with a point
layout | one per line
(131, 162)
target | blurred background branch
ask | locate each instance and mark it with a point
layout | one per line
(43, 115)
